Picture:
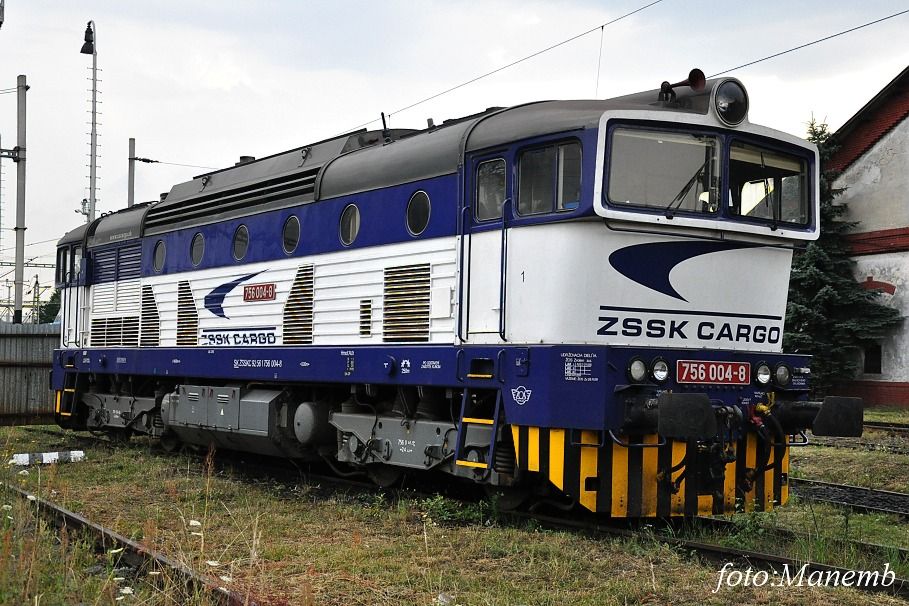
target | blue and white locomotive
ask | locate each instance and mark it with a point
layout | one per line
(582, 298)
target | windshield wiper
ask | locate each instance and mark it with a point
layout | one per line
(679, 197)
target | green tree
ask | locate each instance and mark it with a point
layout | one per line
(829, 314)
(48, 310)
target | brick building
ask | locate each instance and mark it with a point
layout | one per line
(874, 159)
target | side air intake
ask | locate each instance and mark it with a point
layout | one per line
(405, 314)
(187, 316)
(150, 335)
(298, 313)
(110, 332)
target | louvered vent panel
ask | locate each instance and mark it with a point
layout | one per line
(298, 315)
(104, 298)
(365, 317)
(236, 200)
(130, 332)
(128, 298)
(151, 321)
(405, 312)
(99, 328)
(129, 262)
(104, 265)
(187, 316)
(114, 333)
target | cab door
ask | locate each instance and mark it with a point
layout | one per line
(488, 195)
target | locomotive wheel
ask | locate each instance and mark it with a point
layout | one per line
(169, 442)
(385, 476)
(508, 498)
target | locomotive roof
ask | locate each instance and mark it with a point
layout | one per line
(363, 161)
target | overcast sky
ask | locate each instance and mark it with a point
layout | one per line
(203, 82)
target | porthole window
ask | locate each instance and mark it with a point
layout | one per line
(291, 234)
(160, 253)
(197, 249)
(418, 213)
(350, 224)
(241, 242)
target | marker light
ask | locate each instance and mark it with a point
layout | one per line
(762, 374)
(731, 102)
(660, 370)
(637, 370)
(783, 375)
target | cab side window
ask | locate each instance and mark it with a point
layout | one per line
(550, 179)
(490, 194)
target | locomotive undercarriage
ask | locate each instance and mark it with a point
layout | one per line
(384, 431)
(674, 454)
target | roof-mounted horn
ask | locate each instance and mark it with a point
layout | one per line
(695, 80)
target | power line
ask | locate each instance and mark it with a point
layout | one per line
(807, 44)
(512, 64)
(31, 244)
(150, 161)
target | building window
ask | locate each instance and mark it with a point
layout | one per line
(872, 356)
(490, 189)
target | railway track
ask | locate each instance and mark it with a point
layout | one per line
(253, 468)
(883, 426)
(133, 554)
(854, 497)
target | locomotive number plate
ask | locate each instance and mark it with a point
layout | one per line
(717, 373)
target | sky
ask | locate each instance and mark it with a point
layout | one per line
(202, 82)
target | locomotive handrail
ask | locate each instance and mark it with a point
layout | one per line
(629, 444)
(503, 268)
(463, 301)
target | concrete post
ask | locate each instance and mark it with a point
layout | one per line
(131, 186)
(19, 276)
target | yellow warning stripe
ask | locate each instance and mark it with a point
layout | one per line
(557, 458)
(588, 498)
(533, 449)
(648, 478)
(619, 481)
(471, 464)
(477, 421)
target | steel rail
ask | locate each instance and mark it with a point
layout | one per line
(854, 497)
(135, 554)
(885, 426)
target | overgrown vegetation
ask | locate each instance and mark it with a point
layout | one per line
(829, 314)
(318, 544)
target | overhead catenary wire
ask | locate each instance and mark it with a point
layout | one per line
(512, 64)
(150, 161)
(807, 44)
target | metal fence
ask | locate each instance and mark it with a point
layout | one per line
(26, 351)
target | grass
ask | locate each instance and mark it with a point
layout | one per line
(869, 469)
(309, 544)
(887, 414)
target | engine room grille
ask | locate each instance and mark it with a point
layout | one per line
(151, 321)
(365, 317)
(109, 332)
(405, 314)
(298, 313)
(187, 316)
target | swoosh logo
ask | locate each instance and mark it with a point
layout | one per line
(215, 299)
(650, 264)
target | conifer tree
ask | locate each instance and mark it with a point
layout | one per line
(829, 314)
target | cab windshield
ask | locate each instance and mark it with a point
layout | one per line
(669, 171)
(678, 172)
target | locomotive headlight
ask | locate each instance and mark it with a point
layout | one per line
(659, 370)
(731, 102)
(637, 370)
(783, 375)
(762, 374)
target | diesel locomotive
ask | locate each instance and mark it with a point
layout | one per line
(573, 298)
